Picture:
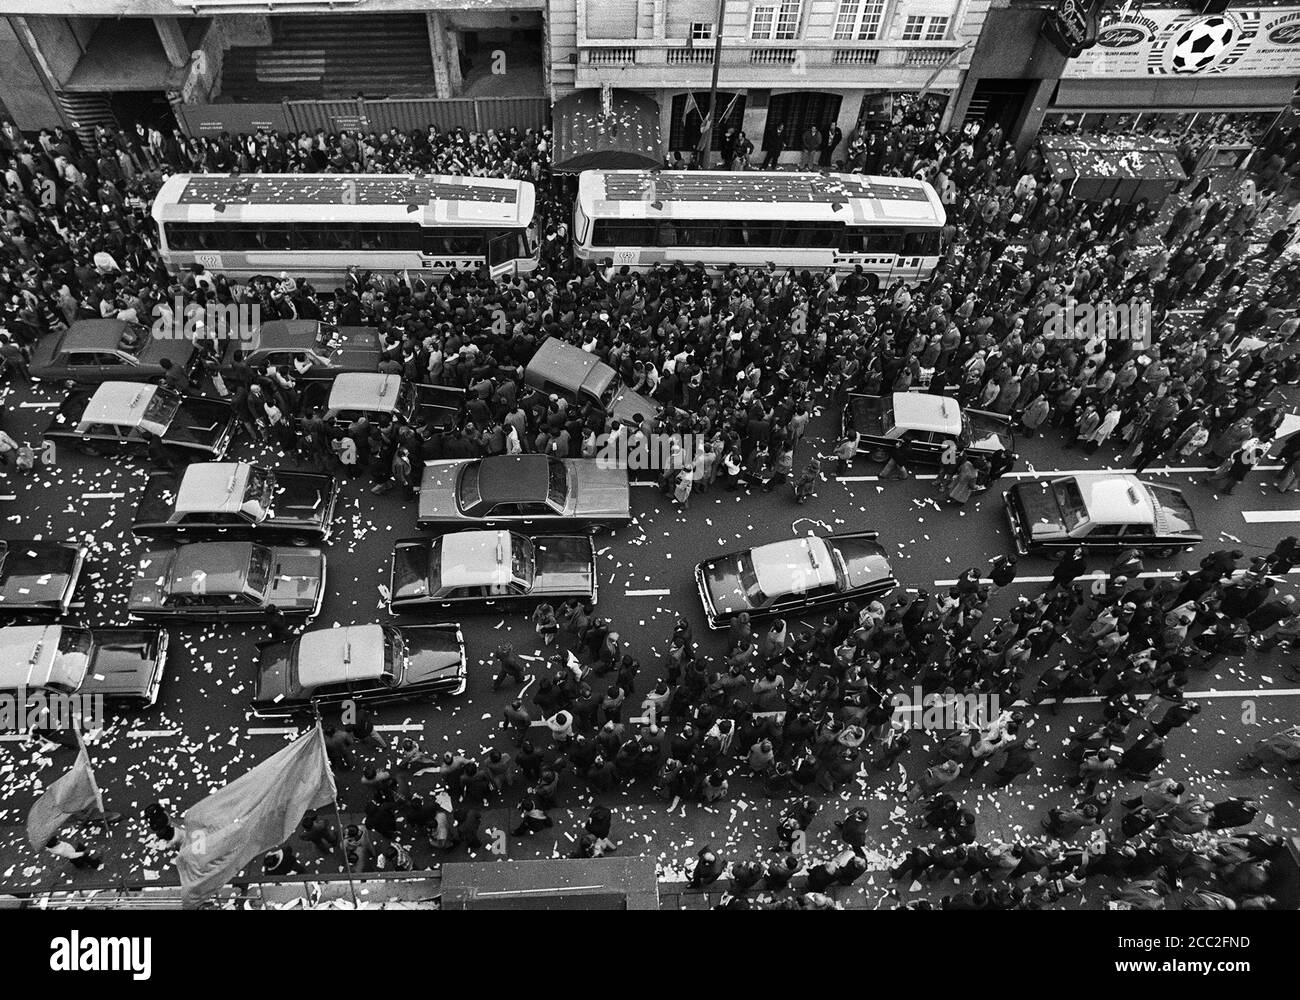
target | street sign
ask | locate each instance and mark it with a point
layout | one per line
(1072, 26)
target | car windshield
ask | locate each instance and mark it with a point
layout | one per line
(522, 560)
(74, 640)
(749, 582)
(964, 439)
(1070, 499)
(557, 489)
(394, 654)
(415, 569)
(261, 484)
(161, 409)
(470, 493)
(259, 569)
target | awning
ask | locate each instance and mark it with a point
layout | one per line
(1187, 96)
(586, 139)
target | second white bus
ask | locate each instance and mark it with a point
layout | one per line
(319, 225)
(889, 225)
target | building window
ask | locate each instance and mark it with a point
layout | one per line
(859, 20)
(701, 31)
(776, 21)
(796, 111)
(937, 29)
(932, 29)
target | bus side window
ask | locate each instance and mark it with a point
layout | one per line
(854, 240)
(884, 240)
(921, 243)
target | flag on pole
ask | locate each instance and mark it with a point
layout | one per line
(75, 792)
(253, 814)
(730, 107)
(690, 106)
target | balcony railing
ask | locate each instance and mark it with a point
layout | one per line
(927, 57)
(855, 57)
(690, 57)
(771, 57)
(611, 57)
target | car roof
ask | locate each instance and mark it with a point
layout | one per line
(514, 478)
(119, 403)
(776, 563)
(29, 657)
(223, 565)
(299, 333)
(213, 487)
(336, 655)
(94, 335)
(470, 559)
(365, 391)
(1118, 499)
(923, 412)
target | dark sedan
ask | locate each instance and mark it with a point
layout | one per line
(103, 350)
(122, 417)
(531, 490)
(120, 664)
(228, 581)
(39, 577)
(370, 664)
(790, 576)
(479, 570)
(308, 350)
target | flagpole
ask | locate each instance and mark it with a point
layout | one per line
(94, 785)
(338, 817)
(706, 126)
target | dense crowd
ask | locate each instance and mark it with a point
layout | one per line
(741, 360)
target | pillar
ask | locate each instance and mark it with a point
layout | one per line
(173, 40)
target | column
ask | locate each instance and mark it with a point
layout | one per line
(173, 40)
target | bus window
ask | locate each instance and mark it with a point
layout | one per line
(610, 233)
(272, 237)
(854, 240)
(322, 236)
(699, 233)
(763, 233)
(921, 243)
(886, 239)
(811, 234)
(502, 249)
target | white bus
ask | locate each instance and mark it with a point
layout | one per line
(317, 225)
(889, 225)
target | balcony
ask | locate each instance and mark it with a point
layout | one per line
(657, 63)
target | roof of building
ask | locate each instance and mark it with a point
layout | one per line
(793, 566)
(337, 655)
(476, 559)
(119, 403)
(923, 412)
(213, 487)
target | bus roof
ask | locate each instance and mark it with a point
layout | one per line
(441, 201)
(852, 199)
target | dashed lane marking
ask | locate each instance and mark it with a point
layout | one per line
(1168, 470)
(646, 593)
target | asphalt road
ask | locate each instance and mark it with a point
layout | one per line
(201, 733)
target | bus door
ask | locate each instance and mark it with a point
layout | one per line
(503, 251)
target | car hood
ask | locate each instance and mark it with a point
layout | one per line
(565, 562)
(722, 583)
(433, 654)
(124, 662)
(297, 576)
(601, 492)
(200, 423)
(303, 497)
(1037, 509)
(39, 574)
(438, 491)
(990, 431)
(353, 347)
(626, 404)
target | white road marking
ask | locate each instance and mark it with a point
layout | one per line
(102, 496)
(149, 734)
(1055, 473)
(401, 727)
(646, 593)
(638, 483)
(1190, 695)
(8, 496)
(1158, 574)
(1269, 516)
(273, 731)
(38, 406)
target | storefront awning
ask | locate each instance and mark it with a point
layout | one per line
(588, 139)
(1215, 93)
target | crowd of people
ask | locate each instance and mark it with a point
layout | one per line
(740, 361)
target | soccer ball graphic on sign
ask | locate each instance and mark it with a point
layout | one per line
(1201, 43)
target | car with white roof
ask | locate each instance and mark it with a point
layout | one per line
(369, 664)
(119, 664)
(932, 426)
(1099, 511)
(120, 417)
(380, 397)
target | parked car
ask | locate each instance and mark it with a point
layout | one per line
(39, 577)
(531, 490)
(383, 397)
(101, 350)
(227, 581)
(931, 426)
(119, 417)
(367, 664)
(487, 569)
(119, 664)
(573, 373)
(790, 576)
(1101, 511)
(237, 499)
(326, 349)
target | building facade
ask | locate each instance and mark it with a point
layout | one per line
(791, 62)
